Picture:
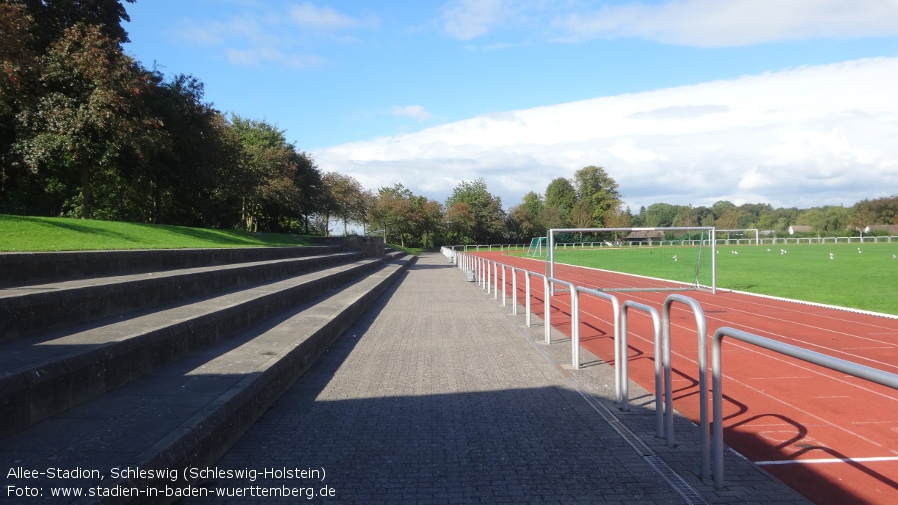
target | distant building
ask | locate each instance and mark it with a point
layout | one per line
(799, 229)
(889, 229)
(645, 236)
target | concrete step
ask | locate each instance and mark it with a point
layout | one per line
(26, 310)
(51, 372)
(187, 413)
(29, 268)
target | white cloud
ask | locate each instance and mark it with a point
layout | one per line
(467, 19)
(714, 23)
(413, 111)
(307, 15)
(268, 36)
(805, 137)
(701, 23)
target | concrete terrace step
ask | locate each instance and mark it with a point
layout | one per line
(22, 269)
(26, 310)
(188, 412)
(49, 373)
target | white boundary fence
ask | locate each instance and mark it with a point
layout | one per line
(485, 272)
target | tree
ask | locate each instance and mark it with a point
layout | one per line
(343, 196)
(185, 176)
(55, 17)
(618, 217)
(825, 219)
(883, 210)
(307, 178)
(428, 221)
(687, 217)
(524, 219)
(460, 222)
(728, 219)
(551, 217)
(393, 212)
(860, 219)
(534, 203)
(581, 216)
(485, 210)
(597, 193)
(19, 79)
(91, 111)
(561, 195)
(271, 193)
(661, 215)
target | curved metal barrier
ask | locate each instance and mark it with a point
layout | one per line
(711, 434)
(622, 360)
(701, 331)
(839, 365)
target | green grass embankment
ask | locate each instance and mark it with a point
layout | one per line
(18, 233)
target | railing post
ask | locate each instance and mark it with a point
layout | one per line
(527, 295)
(547, 309)
(575, 327)
(615, 307)
(622, 361)
(504, 304)
(514, 291)
(702, 380)
(839, 365)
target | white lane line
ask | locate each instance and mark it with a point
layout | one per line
(826, 460)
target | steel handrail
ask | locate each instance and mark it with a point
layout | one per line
(621, 360)
(701, 331)
(615, 304)
(839, 365)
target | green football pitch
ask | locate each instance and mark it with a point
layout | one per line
(857, 275)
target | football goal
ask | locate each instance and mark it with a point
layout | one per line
(537, 247)
(656, 259)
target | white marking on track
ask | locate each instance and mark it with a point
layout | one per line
(826, 461)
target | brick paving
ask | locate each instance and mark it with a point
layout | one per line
(438, 395)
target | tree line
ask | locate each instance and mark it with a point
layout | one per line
(87, 131)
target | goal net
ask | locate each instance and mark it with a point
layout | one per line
(537, 247)
(653, 259)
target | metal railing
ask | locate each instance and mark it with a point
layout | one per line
(623, 360)
(712, 447)
(839, 365)
(701, 333)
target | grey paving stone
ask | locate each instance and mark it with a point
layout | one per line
(438, 395)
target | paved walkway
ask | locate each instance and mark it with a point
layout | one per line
(439, 395)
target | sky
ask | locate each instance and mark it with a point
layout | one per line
(792, 103)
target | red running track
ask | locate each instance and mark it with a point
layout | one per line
(832, 437)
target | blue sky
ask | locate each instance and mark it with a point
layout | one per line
(786, 102)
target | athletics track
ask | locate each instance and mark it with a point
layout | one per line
(832, 437)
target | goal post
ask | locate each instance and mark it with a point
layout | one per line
(537, 246)
(680, 243)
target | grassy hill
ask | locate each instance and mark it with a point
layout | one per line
(18, 233)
